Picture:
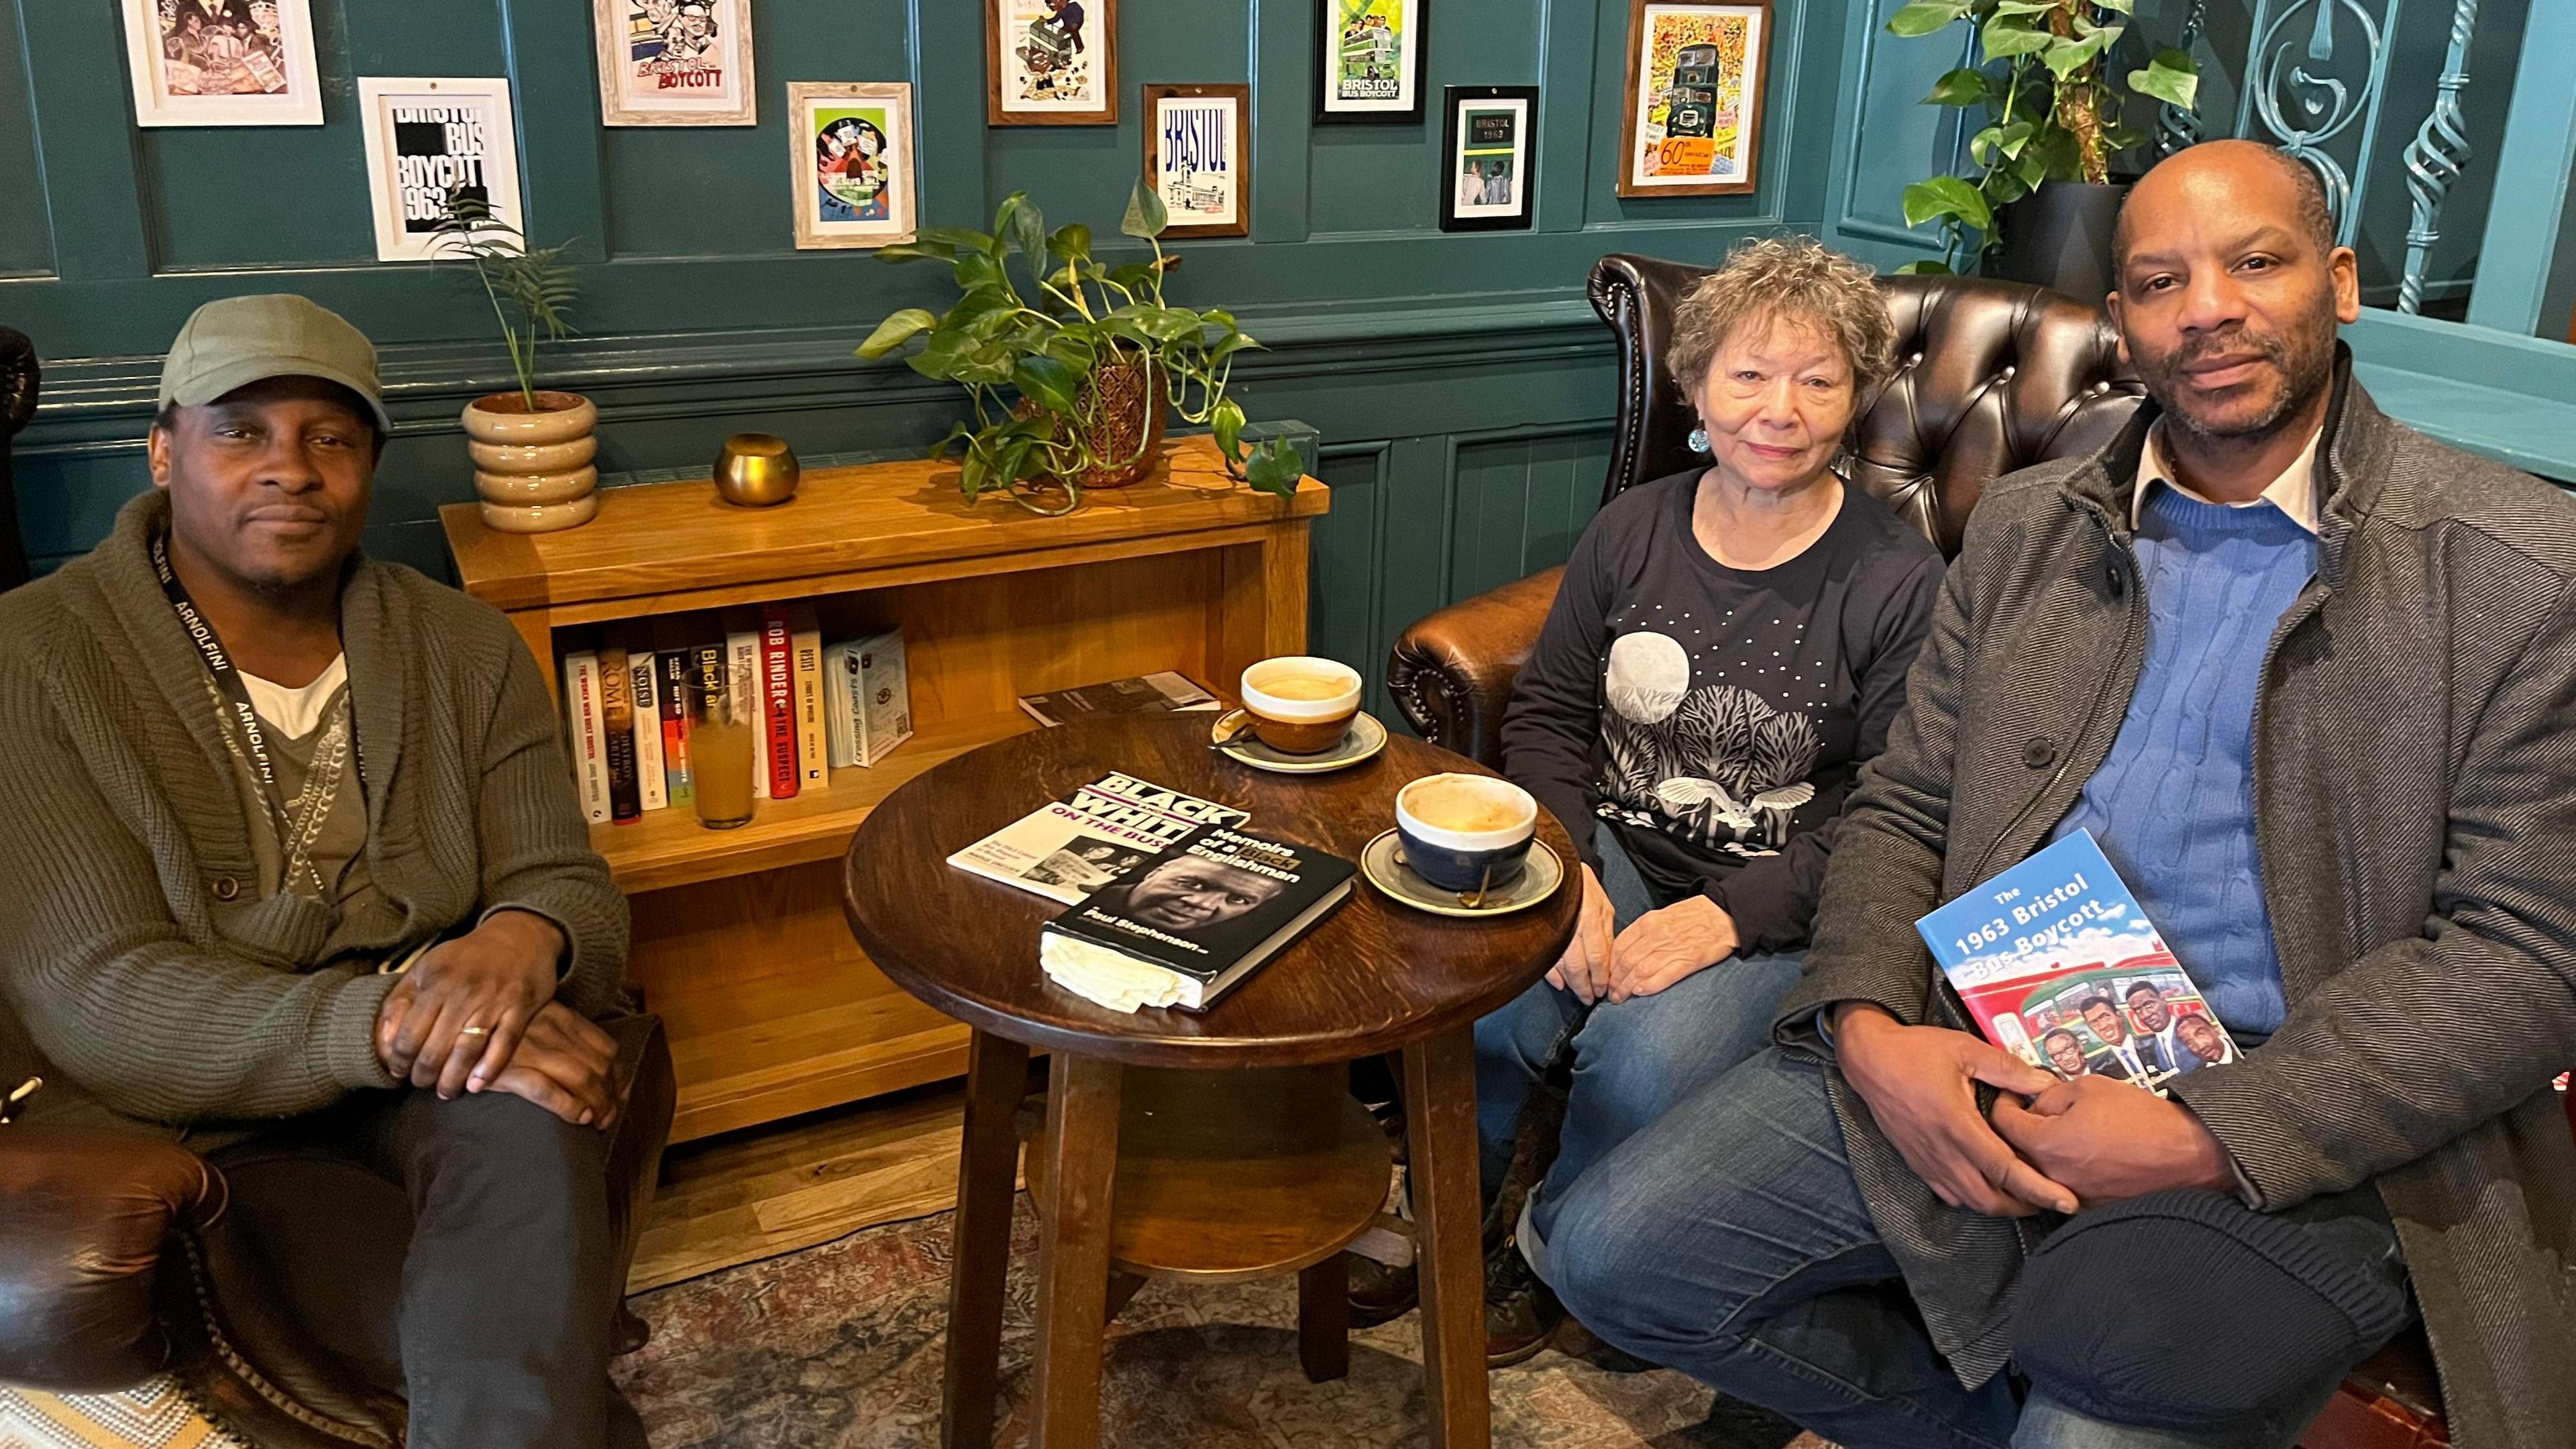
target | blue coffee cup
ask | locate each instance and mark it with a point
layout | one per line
(1466, 833)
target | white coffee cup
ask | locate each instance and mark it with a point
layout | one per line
(1313, 717)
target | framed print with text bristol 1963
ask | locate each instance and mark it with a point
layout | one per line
(1691, 117)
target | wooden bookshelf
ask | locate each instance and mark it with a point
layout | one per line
(739, 946)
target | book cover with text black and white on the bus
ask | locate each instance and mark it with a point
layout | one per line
(1184, 929)
(1066, 849)
(2061, 967)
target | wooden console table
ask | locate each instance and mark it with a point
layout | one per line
(739, 941)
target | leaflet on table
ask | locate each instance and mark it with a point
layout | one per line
(1068, 848)
(2061, 967)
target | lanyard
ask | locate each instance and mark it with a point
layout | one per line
(228, 685)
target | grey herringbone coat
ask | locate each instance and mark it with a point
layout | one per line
(2415, 804)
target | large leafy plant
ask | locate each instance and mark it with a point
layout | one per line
(529, 290)
(2044, 80)
(1038, 316)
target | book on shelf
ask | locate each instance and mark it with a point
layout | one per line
(586, 728)
(1189, 927)
(617, 740)
(1166, 692)
(671, 672)
(742, 658)
(805, 646)
(1066, 849)
(778, 704)
(644, 692)
(2059, 965)
(867, 699)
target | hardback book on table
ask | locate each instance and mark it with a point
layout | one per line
(1066, 849)
(1166, 692)
(1186, 929)
(2055, 959)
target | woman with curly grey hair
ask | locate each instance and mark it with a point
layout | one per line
(1728, 647)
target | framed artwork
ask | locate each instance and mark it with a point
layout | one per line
(852, 163)
(1492, 151)
(222, 62)
(1055, 62)
(1196, 157)
(1691, 117)
(1372, 59)
(427, 138)
(675, 62)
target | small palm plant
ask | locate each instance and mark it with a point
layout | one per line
(530, 289)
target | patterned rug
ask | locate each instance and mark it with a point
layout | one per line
(840, 1346)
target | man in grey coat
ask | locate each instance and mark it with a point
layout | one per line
(2309, 678)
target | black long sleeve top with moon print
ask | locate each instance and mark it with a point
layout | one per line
(1714, 716)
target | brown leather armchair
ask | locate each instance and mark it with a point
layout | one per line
(1992, 376)
(124, 1256)
(20, 379)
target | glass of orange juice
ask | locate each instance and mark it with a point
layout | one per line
(720, 750)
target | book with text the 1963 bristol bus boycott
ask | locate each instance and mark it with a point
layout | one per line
(2060, 966)
(1066, 849)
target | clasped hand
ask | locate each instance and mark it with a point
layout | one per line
(499, 977)
(2077, 1144)
(1658, 948)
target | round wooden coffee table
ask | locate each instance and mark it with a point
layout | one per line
(1373, 977)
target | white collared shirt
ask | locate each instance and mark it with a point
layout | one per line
(2294, 492)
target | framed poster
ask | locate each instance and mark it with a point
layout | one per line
(222, 62)
(1492, 151)
(851, 161)
(675, 62)
(1055, 62)
(425, 138)
(1196, 157)
(1372, 59)
(1691, 117)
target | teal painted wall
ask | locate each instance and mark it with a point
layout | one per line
(1461, 384)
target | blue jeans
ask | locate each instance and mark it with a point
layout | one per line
(1632, 1059)
(1729, 1241)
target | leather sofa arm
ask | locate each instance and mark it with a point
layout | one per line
(1452, 672)
(84, 1220)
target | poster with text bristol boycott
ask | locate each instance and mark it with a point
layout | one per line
(428, 142)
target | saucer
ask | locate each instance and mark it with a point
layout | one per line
(1360, 742)
(1382, 861)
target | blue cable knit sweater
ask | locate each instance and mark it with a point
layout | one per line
(2173, 804)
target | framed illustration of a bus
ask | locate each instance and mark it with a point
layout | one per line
(1691, 116)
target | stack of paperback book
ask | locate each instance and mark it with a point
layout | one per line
(1171, 904)
(629, 703)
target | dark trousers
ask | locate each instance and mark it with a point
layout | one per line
(498, 1326)
(1728, 1240)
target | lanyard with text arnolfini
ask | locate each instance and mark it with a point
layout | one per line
(227, 683)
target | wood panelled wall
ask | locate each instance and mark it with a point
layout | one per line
(1461, 384)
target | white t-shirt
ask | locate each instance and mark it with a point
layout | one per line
(295, 713)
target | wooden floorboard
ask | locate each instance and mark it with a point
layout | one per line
(754, 1194)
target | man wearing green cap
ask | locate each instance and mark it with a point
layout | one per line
(296, 856)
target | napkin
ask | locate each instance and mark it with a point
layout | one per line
(1109, 978)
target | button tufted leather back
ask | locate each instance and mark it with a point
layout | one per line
(1991, 376)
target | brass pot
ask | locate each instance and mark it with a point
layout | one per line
(1124, 401)
(533, 469)
(756, 470)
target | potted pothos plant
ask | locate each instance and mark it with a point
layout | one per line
(2042, 186)
(532, 447)
(1070, 364)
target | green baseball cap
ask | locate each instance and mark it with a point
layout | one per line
(241, 340)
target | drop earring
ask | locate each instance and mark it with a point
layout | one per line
(1698, 440)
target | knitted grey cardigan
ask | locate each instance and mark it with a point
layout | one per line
(2415, 797)
(143, 968)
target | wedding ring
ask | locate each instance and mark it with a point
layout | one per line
(474, 1031)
